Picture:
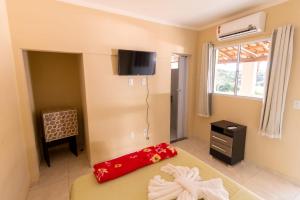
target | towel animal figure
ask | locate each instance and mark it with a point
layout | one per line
(187, 185)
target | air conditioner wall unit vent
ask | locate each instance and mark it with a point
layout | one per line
(248, 25)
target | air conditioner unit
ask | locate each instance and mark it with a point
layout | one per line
(241, 27)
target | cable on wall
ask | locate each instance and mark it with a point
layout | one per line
(147, 113)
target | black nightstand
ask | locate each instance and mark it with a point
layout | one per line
(227, 141)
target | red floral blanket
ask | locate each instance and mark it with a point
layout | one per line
(117, 167)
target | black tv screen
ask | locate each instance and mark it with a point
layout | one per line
(136, 62)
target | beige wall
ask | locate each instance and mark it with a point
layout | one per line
(113, 109)
(278, 155)
(56, 83)
(14, 175)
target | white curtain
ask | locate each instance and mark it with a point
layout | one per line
(206, 80)
(279, 72)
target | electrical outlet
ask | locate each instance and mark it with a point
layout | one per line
(130, 82)
(297, 104)
(145, 132)
(144, 82)
(132, 135)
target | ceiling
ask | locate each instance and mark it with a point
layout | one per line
(194, 14)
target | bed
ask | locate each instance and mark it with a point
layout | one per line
(133, 186)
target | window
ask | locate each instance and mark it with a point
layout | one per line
(241, 69)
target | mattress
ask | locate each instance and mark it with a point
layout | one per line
(133, 186)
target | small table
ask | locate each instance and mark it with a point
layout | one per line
(59, 126)
(227, 141)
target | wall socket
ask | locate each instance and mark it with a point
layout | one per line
(130, 82)
(297, 104)
(144, 82)
(132, 135)
(145, 132)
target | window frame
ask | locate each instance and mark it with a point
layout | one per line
(239, 45)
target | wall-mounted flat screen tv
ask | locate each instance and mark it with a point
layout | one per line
(136, 62)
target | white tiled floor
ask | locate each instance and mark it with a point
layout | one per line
(55, 182)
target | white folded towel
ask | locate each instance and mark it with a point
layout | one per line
(187, 185)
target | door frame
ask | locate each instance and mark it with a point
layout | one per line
(182, 112)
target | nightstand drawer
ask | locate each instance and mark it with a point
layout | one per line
(223, 139)
(221, 148)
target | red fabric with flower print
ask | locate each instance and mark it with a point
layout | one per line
(117, 167)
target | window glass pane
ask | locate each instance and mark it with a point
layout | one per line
(225, 70)
(252, 68)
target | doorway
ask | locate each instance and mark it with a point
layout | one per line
(179, 72)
